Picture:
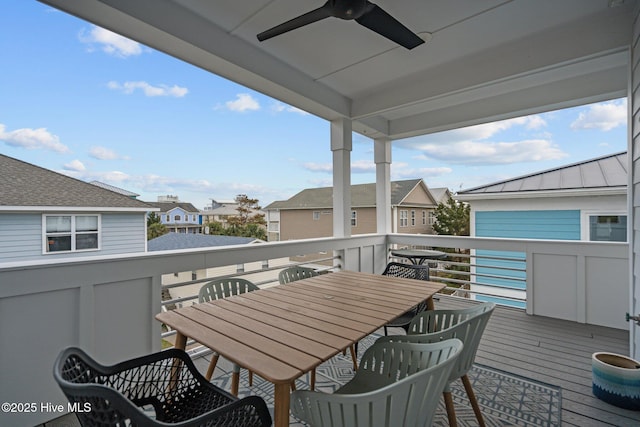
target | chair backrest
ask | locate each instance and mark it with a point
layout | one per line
(408, 271)
(291, 274)
(112, 394)
(224, 288)
(407, 381)
(467, 325)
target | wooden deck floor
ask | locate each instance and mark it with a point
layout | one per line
(556, 352)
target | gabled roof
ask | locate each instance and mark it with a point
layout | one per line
(441, 194)
(606, 174)
(172, 241)
(167, 206)
(362, 195)
(27, 186)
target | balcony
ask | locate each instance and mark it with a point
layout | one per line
(575, 294)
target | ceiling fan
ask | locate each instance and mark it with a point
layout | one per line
(364, 12)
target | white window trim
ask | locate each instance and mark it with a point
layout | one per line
(584, 220)
(354, 218)
(413, 217)
(72, 233)
(404, 218)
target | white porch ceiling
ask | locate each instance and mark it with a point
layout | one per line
(487, 59)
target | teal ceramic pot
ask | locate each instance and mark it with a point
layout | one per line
(616, 380)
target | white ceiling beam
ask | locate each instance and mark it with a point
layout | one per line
(555, 46)
(598, 86)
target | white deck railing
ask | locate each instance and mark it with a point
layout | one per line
(107, 305)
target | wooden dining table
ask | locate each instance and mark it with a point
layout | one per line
(282, 332)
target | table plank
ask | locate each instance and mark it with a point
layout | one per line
(271, 369)
(268, 346)
(314, 348)
(285, 324)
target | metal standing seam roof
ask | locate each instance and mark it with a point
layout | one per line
(609, 171)
(362, 195)
(26, 185)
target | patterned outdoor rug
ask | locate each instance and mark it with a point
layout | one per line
(505, 399)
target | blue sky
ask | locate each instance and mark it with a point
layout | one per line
(79, 100)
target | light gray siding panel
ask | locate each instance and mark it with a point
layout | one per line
(21, 236)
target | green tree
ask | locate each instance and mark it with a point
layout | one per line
(452, 218)
(155, 227)
(247, 212)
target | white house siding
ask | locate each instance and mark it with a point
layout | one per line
(634, 155)
(21, 236)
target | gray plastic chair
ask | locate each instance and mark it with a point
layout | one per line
(467, 325)
(397, 385)
(219, 289)
(291, 274)
(408, 271)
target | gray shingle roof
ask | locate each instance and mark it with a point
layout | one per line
(362, 195)
(25, 185)
(167, 206)
(173, 241)
(603, 172)
(114, 188)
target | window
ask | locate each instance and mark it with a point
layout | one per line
(404, 218)
(71, 233)
(413, 218)
(432, 217)
(424, 217)
(177, 218)
(316, 215)
(354, 218)
(608, 228)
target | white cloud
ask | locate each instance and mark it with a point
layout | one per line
(110, 42)
(603, 116)
(32, 139)
(279, 107)
(486, 153)
(243, 102)
(402, 170)
(103, 153)
(148, 89)
(363, 166)
(75, 165)
(318, 167)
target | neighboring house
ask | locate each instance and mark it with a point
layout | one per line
(220, 211)
(309, 213)
(47, 215)
(177, 216)
(580, 201)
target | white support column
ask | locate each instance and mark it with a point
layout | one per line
(341, 144)
(382, 158)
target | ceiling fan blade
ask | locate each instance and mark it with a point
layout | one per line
(376, 19)
(300, 21)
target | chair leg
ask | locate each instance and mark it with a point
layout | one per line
(354, 357)
(451, 411)
(385, 331)
(312, 382)
(250, 378)
(473, 400)
(212, 366)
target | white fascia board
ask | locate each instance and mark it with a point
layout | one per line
(72, 209)
(543, 194)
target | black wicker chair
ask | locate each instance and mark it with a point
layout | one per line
(161, 389)
(409, 271)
